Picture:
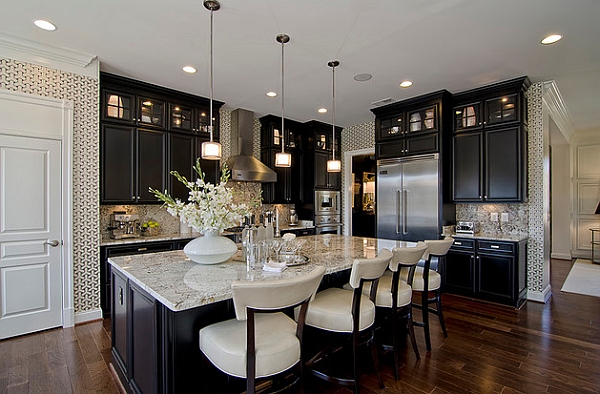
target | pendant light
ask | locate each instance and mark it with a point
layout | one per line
(211, 150)
(333, 165)
(282, 159)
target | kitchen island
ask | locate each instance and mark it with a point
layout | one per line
(161, 300)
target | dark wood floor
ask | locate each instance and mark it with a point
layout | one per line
(542, 348)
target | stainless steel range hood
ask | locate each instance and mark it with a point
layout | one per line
(244, 166)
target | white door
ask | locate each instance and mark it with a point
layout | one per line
(30, 235)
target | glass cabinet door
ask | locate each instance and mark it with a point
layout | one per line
(180, 117)
(118, 106)
(321, 141)
(202, 118)
(467, 116)
(391, 127)
(501, 109)
(151, 111)
(422, 120)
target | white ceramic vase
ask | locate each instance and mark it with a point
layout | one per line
(212, 248)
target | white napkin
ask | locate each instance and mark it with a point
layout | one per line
(288, 237)
(272, 266)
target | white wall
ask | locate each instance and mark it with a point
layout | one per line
(561, 202)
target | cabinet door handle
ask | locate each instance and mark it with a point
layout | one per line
(120, 295)
(142, 249)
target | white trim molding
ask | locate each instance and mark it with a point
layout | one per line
(540, 296)
(557, 109)
(89, 315)
(21, 49)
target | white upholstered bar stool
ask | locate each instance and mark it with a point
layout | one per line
(262, 341)
(395, 296)
(428, 280)
(349, 315)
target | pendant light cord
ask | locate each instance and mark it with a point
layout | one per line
(282, 101)
(210, 119)
(333, 114)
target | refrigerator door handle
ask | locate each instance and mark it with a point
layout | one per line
(404, 213)
(398, 210)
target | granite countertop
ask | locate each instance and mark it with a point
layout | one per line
(181, 284)
(493, 236)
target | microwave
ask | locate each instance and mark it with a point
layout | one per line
(327, 202)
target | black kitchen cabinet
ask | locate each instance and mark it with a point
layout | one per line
(299, 232)
(414, 126)
(319, 140)
(132, 160)
(288, 188)
(489, 160)
(126, 249)
(142, 135)
(120, 300)
(488, 270)
(183, 151)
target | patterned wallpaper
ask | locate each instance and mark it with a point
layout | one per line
(84, 92)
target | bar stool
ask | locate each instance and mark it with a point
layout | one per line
(350, 314)
(395, 296)
(426, 280)
(256, 344)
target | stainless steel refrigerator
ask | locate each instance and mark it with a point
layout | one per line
(408, 199)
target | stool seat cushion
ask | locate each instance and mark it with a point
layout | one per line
(435, 279)
(277, 347)
(384, 292)
(331, 310)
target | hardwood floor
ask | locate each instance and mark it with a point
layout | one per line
(542, 348)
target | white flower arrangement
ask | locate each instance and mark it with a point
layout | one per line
(210, 208)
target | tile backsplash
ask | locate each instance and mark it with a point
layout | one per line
(518, 217)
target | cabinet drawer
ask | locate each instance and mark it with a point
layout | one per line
(463, 244)
(138, 248)
(491, 246)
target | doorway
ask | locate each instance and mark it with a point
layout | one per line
(359, 196)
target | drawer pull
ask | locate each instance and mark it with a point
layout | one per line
(142, 249)
(494, 246)
(457, 243)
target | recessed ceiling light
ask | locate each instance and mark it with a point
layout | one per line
(45, 25)
(551, 39)
(406, 84)
(362, 77)
(271, 94)
(189, 69)
(322, 110)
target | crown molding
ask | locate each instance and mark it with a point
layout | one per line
(558, 110)
(22, 49)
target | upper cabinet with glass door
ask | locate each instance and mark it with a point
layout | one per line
(189, 118)
(131, 108)
(503, 103)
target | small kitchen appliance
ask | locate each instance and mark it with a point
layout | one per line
(327, 212)
(466, 227)
(293, 219)
(124, 226)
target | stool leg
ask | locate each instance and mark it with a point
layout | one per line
(425, 310)
(355, 362)
(395, 334)
(438, 302)
(411, 332)
(376, 359)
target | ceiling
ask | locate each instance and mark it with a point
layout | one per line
(437, 44)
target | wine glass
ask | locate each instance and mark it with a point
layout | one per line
(277, 245)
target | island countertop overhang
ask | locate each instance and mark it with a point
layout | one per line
(180, 284)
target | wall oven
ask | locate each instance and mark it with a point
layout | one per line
(327, 212)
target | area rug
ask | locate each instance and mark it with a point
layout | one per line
(584, 278)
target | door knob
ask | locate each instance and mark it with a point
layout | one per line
(53, 243)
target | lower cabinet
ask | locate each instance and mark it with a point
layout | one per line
(300, 232)
(486, 269)
(125, 249)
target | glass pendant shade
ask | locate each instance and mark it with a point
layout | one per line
(283, 159)
(334, 166)
(211, 150)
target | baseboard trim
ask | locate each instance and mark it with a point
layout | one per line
(561, 256)
(84, 317)
(540, 296)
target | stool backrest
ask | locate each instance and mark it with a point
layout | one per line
(369, 269)
(438, 247)
(276, 294)
(407, 256)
